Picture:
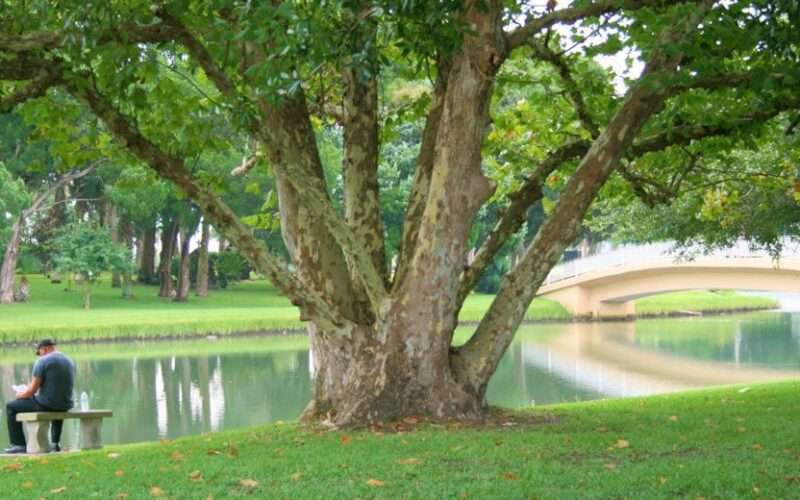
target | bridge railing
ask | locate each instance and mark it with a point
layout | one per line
(664, 251)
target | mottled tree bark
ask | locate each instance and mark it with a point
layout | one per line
(202, 261)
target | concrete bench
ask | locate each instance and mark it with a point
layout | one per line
(37, 425)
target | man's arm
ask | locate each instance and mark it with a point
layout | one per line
(36, 382)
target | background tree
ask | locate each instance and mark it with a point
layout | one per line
(87, 251)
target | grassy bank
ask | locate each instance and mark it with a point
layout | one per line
(701, 301)
(246, 307)
(721, 443)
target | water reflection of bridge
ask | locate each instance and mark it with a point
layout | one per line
(604, 358)
(606, 285)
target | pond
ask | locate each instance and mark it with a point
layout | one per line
(168, 389)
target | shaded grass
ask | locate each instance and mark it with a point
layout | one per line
(719, 443)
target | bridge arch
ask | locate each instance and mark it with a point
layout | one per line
(610, 292)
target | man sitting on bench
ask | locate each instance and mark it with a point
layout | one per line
(50, 389)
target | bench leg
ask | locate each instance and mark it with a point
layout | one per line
(90, 433)
(36, 436)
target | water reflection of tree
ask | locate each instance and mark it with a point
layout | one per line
(763, 339)
(517, 383)
(202, 393)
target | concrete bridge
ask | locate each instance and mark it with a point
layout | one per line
(605, 285)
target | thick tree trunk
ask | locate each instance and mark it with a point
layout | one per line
(147, 268)
(371, 376)
(169, 234)
(8, 271)
(202, 261)
(182, 294)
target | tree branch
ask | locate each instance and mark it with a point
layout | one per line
(570, 15)
(513, 217)
(199, 52)
(546, 54)
(127, 32)
(227, 222)
(422, 176)
(35, 88)
(481, 354)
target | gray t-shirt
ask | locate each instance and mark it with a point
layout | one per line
(57, 372)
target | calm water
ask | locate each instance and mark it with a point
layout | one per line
(165, 390)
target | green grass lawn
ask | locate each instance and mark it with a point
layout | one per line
(701, 301)
(249, 306)
(723, 443)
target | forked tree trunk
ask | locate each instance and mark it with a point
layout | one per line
(372, 376)
(202, 261)
(168, 236)
(182, 293)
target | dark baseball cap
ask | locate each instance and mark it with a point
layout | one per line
(44, 343)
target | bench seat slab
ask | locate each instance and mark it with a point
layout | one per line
(44, 416)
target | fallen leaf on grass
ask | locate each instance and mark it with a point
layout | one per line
(409, 461)
(622, 443)
(119, 473)
(375, 482)
(43, 461)
(662, 480)
(155, 491)
(756, 490)
(509, 476)
(176, 456)
(248, 483)
(213, 452)
(757, 446)
(113, 455)
(27, 484)
(742, 429)
(602, 429)
(195, 475)
(743, 390)
(233, 450)
(610, 466)
(61, 489)
(121, 496)
(345, 439)
(673, 418)
(296, 476)
(13, 466)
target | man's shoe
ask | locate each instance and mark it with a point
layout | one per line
(15, 449)
(55, 447)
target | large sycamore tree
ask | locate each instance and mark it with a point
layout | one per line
(381, 332)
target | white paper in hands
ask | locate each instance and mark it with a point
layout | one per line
(18, 387)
